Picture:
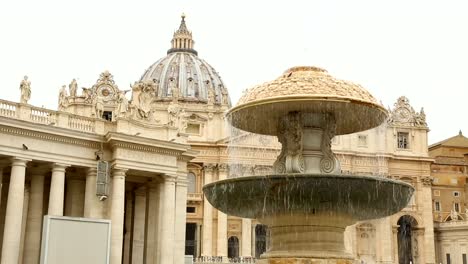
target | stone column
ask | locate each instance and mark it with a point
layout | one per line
(428, 222)
(27, 191)
(128, 227)
(208, 215)
(139, 226)
(395, 243)
(3, 201)
(168, 221)
(222, 219)
(93, 207)
(117, 215)
(246, 238)
(14, 211)
(384, 240)
(57, 190)
(180, 219)
(153, 241)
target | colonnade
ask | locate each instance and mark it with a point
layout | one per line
(23, 206)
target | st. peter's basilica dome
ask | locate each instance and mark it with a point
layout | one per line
(195, 79)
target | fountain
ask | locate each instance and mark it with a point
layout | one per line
(307, 203)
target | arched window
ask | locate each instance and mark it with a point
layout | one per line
(192, 183)
(233, 247)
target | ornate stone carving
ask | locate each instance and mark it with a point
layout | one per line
(142, 97)
(25, 88)
(73, 86)
(62, 100)
(404, 114)
(290, 159)
(328, 162)
(427, 181)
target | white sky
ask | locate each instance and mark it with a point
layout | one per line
(416, 48)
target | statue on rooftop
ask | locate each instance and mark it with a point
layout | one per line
(62, 100)
(122, 104)
(73, 87)
(25, 88)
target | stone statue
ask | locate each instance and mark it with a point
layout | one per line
(466, 214)
(173, 110)
(98, 105)
(454, 215)
(183, 121)
(87, 94)
(73, 88)
(420, 118)
(122, 104)
(25, 88)
(62, 100)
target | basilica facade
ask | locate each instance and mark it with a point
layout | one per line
(140, 157)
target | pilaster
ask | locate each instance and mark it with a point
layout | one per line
(208, 215)
(117, 214)
(222, 218)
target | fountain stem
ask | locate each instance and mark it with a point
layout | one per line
(306, 144)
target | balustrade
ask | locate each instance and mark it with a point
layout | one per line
(43, 116)
(7, 108)
(81, 123)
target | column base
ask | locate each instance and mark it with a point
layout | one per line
(295, 260)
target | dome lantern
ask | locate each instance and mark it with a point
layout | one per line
(182, 39)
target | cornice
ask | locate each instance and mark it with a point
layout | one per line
(49, 129)
(91, 143)
(147, 142)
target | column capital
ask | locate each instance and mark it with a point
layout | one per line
(59, 167)
(91, 171)
(223, 167)
(209, 166)
(119, 173)
(16, 161)
(170, 178)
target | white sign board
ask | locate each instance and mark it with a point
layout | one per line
(75, 240)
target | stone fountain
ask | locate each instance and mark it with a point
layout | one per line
(307, 203)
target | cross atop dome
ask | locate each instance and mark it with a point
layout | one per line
(182, 39)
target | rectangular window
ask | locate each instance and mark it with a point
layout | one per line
(437, 206)
(456, 194)
(362, 140)
(448, 258)
(464, 258)
(190, 209)
(456, 207)
(403, 140)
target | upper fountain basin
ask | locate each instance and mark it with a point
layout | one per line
(359, 197)
(307, 90)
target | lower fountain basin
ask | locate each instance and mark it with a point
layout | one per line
(349, 196)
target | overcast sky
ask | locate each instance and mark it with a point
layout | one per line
(416, 48)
